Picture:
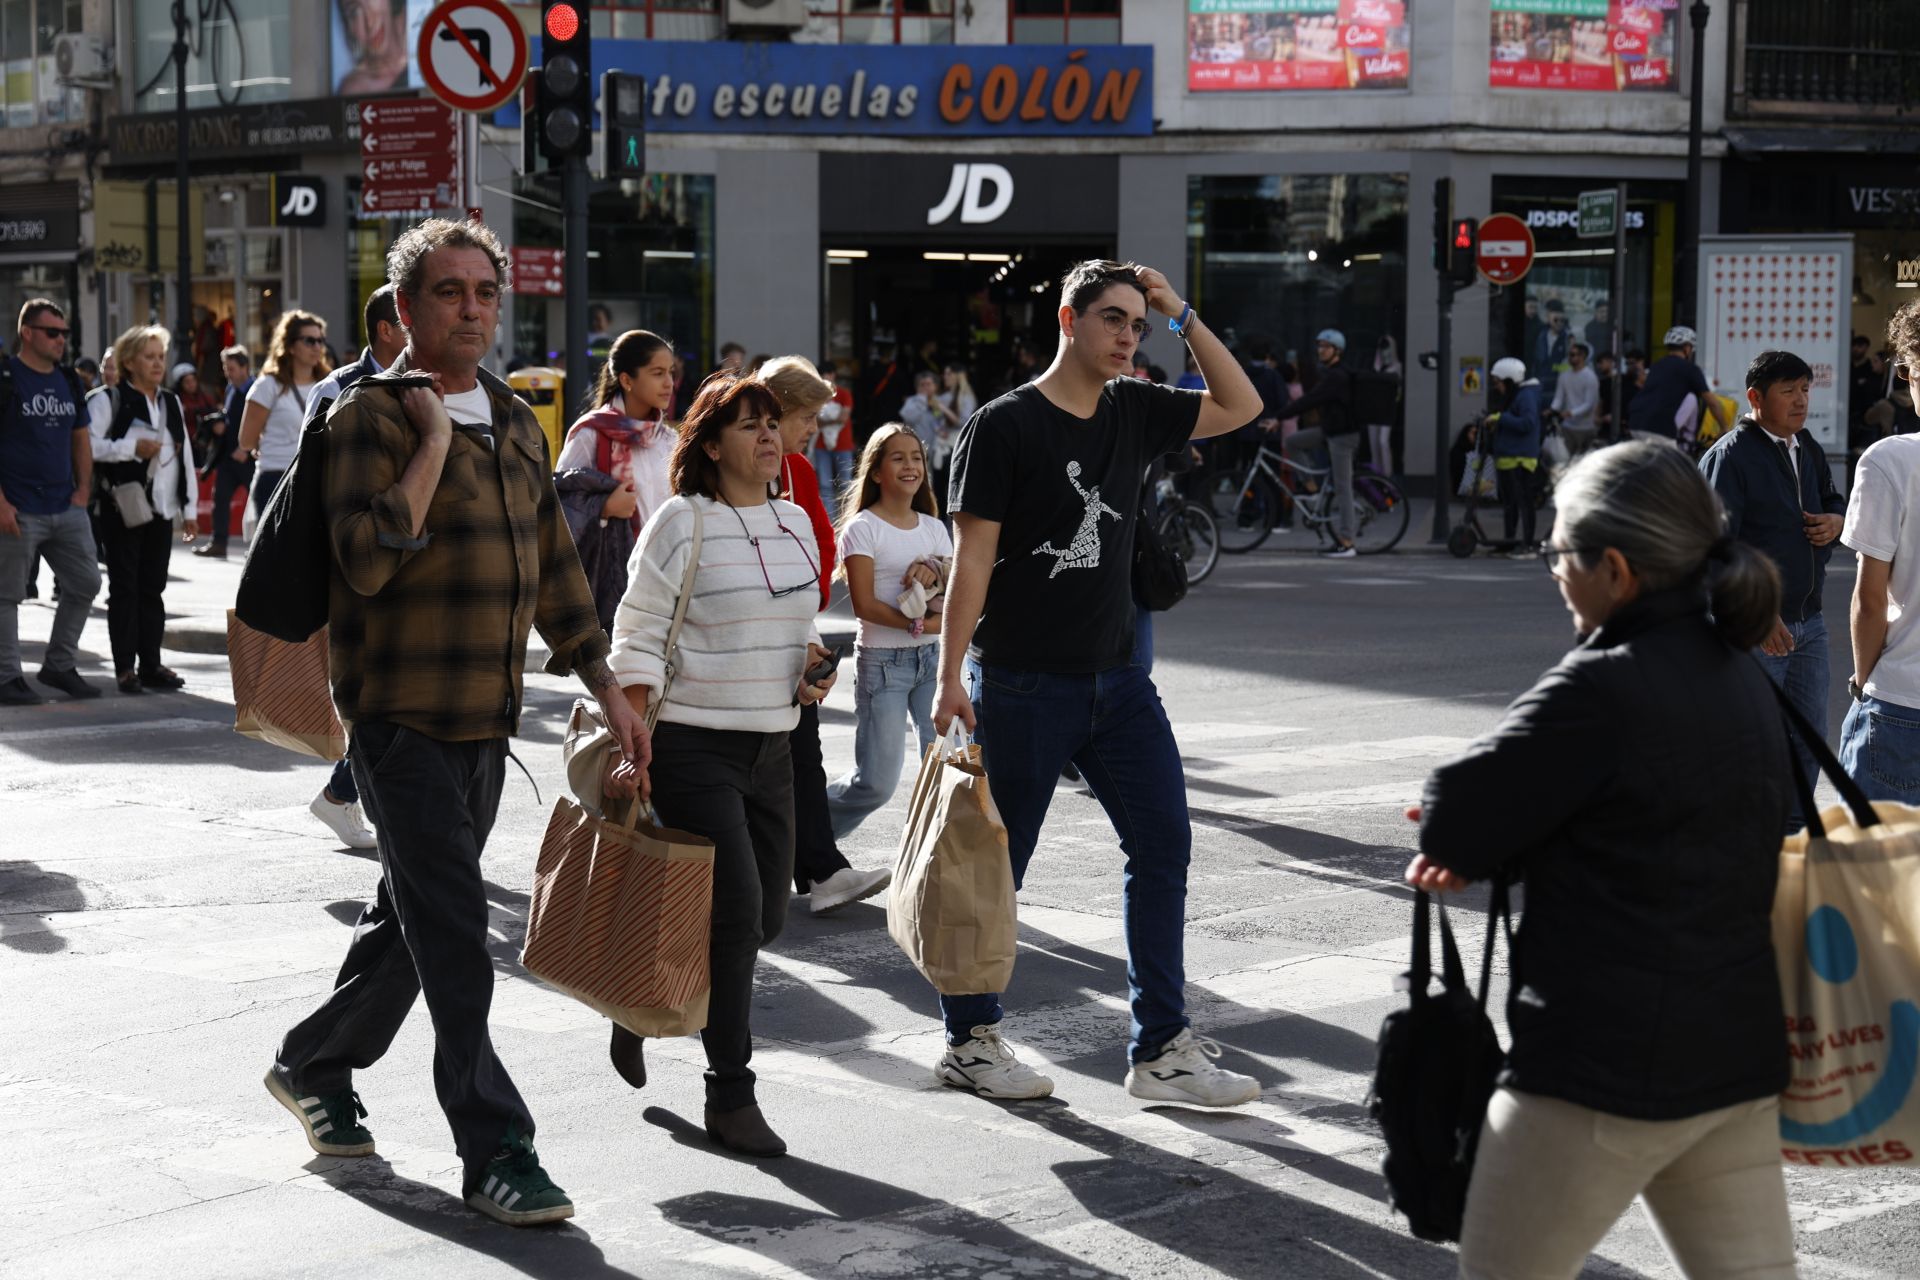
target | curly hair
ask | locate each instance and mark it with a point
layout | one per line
(1903, 334)
(277, 364)
(407, 259)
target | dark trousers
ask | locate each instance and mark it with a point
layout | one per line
(1517, 495)
(136, 582)
(736, 789)
(434, 803)
(816, 855)
(341, 784)
(228, 475)
(264, 483)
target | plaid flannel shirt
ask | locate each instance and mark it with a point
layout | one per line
(430, 632)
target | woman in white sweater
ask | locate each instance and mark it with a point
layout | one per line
(719, 763)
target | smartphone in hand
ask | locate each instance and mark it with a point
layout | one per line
(822, 669)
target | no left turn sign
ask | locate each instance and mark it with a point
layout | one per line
(472, 54)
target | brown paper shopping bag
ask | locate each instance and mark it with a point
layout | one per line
(282, 693)
(620, 918)
(951, 907)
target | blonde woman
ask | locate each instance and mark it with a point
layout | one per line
(140, 439)
(277, 402)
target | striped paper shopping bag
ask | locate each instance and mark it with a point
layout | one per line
(620, 919)
(281, 691)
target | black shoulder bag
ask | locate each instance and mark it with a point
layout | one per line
(289, 569)
(1439, 1059)
(1159, 571)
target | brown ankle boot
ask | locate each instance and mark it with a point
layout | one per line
(629, 1058)
(744, 1132)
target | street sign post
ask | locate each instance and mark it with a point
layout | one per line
(406, 157)
(472, 54)
(1599, 213)
(539, 272)
(1506, 249)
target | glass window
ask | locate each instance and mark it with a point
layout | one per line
(30, 88)
(877, 22)
(241, 52)
(660, 20)
(1283, 257)
(1064, 22)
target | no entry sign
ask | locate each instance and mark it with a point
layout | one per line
(1506, 249)
(472, 54)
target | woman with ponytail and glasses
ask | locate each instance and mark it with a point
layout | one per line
(719, 764)
(1639, 790)
(612, 473)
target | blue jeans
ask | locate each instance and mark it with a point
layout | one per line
(1803, 675)
(1143, 639)
(835, 469)
(65, 541)
(1880, 749)
(1112, 727)
(341, 783)
(893, 684)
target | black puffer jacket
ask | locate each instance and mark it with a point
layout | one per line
(1639, 789)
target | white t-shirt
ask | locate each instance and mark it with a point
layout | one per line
(473, 408)
(286, 414)
(1886, 487)
(893, 551)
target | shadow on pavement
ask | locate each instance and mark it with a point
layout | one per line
(29, 890)
(907, 1233)
(561, 1251)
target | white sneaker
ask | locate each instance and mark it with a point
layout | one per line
(344, 820)
(986, 1065)
(1184, 1072)
(847, 885)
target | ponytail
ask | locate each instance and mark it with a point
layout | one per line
(1746, 593)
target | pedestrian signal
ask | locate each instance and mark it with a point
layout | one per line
(623, 125)
(1463, 247)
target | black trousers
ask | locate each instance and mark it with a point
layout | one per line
(433, 804)
(228, 475)
(816, 855)
(1517, 495)
(264, 483)
(736, 789)
(137, 562)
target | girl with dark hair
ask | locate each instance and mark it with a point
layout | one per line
(612, 471)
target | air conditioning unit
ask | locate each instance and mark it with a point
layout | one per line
(788, 14)
(81, 57)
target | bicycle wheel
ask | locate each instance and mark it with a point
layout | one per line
(1191, 530)
(1246, 518)
(1380, 514)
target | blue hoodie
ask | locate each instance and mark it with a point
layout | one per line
(1517, 434)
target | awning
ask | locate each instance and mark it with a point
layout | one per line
(1824, 139)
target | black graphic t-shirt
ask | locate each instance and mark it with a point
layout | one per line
(1065, 492)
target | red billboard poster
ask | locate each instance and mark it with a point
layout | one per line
(1599, 46)
(1297, 44)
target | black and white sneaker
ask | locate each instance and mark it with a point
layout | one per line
(986, 1065)
(1184, 1072)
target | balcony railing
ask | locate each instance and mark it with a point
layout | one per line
(1838, 54)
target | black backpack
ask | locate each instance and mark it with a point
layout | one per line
(1439, 1060)
(289, 569)
(1159, 571)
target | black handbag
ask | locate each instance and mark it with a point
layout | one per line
(289, 569)
(1438, 1063)
(1159, 572)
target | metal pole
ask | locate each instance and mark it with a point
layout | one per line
(574, 201)
(1442, 421)
(1619, 423)
(1688, 284)
(183, 304)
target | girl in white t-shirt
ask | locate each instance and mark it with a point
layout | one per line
(891, 544)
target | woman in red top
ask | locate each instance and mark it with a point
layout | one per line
(819, 868)
(833, 447)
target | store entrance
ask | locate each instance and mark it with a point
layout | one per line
(893, 309)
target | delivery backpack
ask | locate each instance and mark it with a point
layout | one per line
(1438, 1061)
(289, 569)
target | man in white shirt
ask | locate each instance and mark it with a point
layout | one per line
(1575, 399)
(1880, 738)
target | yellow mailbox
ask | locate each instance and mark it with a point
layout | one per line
(544, 389)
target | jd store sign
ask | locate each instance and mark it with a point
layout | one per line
(893, 193)
(299, 201)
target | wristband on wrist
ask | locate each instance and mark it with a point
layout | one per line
(1179, 326)
(917, 628)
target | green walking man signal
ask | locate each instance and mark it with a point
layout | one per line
(623, 125)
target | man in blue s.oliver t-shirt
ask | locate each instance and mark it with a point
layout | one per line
(46, 475)
(1045, 493)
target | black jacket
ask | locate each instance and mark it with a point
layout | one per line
(1749, 471)
(1639, 790)
(348, 374)
(1332, 395)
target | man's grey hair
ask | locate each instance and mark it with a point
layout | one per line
(407, 259)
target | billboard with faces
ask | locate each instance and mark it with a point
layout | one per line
(373, 43)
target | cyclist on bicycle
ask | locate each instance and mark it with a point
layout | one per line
(1338, 435)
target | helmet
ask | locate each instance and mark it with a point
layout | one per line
(1510, 369)
(1681, 336)
(1333, 338)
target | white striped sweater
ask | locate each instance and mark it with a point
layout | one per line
(742, 650)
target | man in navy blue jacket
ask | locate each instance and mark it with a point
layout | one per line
(1779, 493)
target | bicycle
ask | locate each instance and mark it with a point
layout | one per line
(1188, 527)
(1246, 512)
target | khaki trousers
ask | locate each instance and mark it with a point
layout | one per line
(1551, 1178)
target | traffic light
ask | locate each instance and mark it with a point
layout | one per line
(1442, 222)
(1463, 245)
(623, 125)
(564, 110)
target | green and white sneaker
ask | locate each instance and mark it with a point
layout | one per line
(514, 1189)
(332, 1120)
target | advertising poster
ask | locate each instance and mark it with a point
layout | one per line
(1767, 293)
(1601, 46)
(1296, 44)
(373, 44)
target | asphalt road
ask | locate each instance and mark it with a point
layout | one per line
(168, 908)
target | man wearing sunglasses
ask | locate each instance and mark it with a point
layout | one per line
(46, 478)
(1036, 650)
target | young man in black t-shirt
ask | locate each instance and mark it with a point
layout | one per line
(1045, 491)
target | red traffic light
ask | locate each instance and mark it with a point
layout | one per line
(563, 21)
(1463, 233)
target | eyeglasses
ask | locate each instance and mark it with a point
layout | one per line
(1117, 324)
(1551, 556)
(50, 331)
(311, 341)
(813, 580)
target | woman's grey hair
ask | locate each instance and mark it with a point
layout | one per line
(407, 259)
(1649, 502)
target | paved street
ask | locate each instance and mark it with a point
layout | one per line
(168, 908)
